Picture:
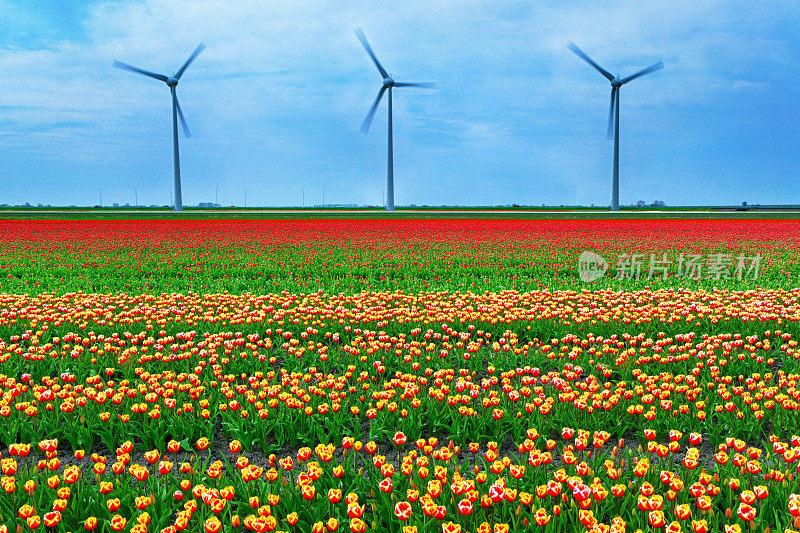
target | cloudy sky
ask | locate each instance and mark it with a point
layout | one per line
(276, 100)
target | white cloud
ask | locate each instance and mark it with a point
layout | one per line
(740, 85)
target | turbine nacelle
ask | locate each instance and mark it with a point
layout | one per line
(388, 82)
(616, 82)
(172, 81)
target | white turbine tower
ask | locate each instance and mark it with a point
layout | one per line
(172, 83)
(387, 85)
(613, 113)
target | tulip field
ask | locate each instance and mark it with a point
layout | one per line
(399, 375)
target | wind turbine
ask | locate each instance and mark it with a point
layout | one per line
(172, 82)
(387, 85)
(613, 113)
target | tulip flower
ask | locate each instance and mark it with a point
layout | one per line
(465, 507)
(541, 517)
(402, 510)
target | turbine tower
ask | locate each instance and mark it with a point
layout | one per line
(172, 83)
(613, 113)
(388, 84)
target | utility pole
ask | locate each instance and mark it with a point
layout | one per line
(101, 196)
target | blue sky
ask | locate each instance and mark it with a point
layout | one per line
(275, 101)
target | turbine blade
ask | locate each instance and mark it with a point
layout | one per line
(137, 70)
(610, 133)
(185, 127)
(580, 53)
(371, 113)
(188, 62)
(648, 70)
(420, 84)
(363, 38)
